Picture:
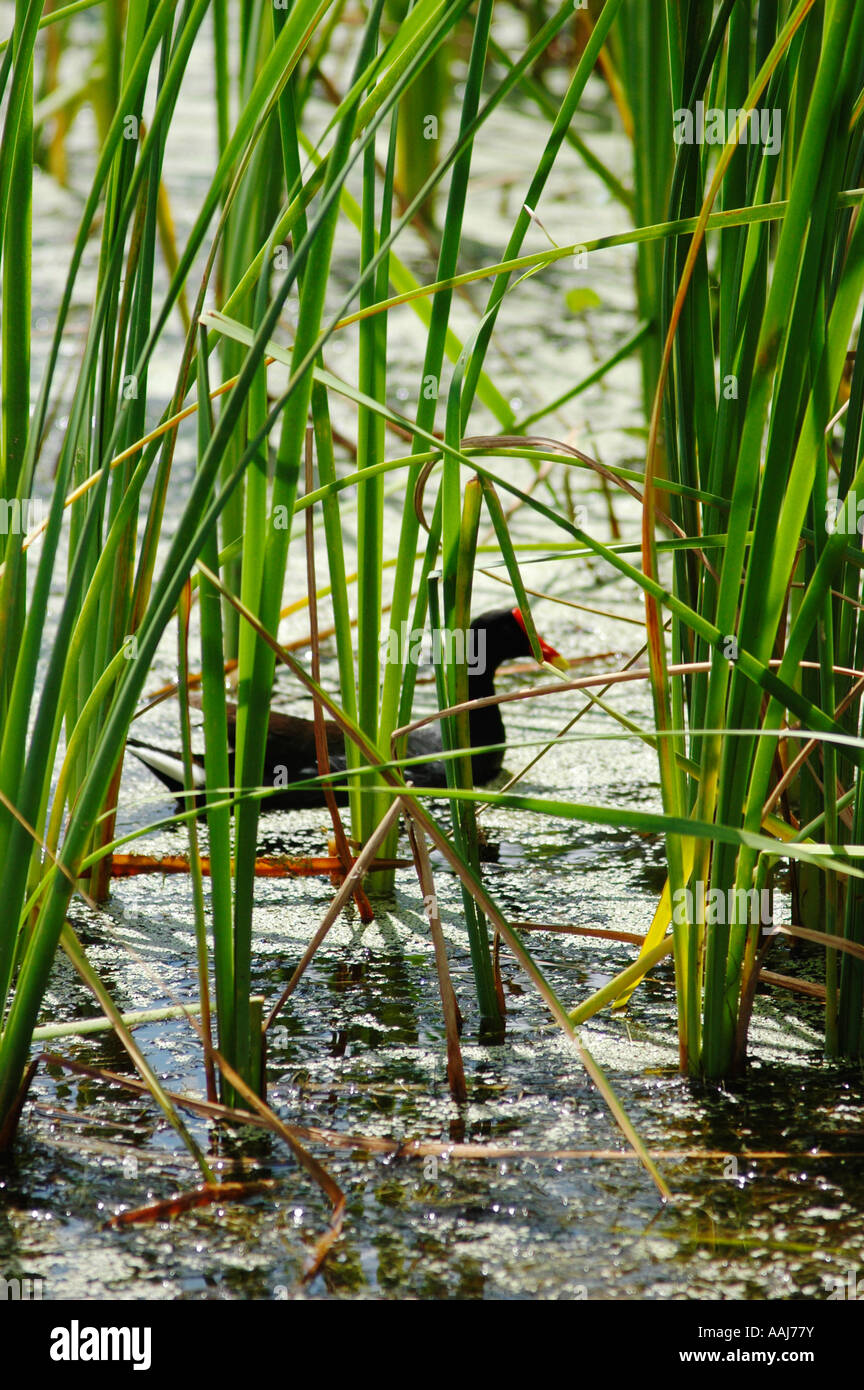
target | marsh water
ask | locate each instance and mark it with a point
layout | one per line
(561, 1209)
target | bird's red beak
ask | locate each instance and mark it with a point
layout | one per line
(549, 654)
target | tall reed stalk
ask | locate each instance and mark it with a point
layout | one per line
(751, 271)
(749, 383)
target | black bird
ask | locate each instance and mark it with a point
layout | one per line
(290, 749)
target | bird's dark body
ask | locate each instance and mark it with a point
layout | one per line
(289, 754)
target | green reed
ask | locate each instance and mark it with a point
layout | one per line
(744, 477)
(749, 382)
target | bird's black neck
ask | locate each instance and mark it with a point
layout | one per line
(486, 723)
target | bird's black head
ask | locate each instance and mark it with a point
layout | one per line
(499, 636)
